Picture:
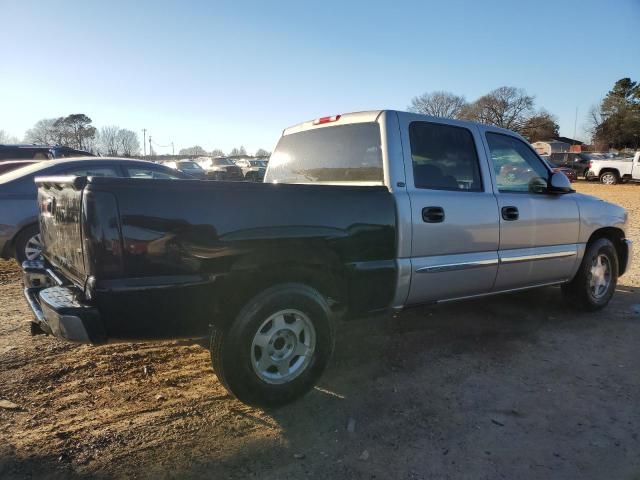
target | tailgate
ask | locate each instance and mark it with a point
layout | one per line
(60, 204)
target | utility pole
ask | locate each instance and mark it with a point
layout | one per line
(144, 142)
(150, 147)
(575, 124)
(173, 151)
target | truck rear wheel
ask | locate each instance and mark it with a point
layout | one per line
(609, 178)
(276, 348)
(594, 284)
(28, 244)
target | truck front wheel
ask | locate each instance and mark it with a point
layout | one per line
(596, 280)
(276, 348)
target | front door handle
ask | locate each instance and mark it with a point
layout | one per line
(510, 213)
(433, 214)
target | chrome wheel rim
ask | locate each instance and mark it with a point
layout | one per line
(608, 179)
(600, 276)
(283, 346)
(33, 248)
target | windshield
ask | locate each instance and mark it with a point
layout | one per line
(341, 154)
(190, 165)
(222, 161)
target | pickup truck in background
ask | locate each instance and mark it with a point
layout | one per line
(358, 213)
(615, 171)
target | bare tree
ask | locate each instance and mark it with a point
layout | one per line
(128, 143)
(261, 152)
(5, 138)
(43, 132)
(109, 139)
(238, 151)
(216, 152)
(505, 107)
(438, 104)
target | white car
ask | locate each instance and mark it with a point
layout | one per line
(612, 171)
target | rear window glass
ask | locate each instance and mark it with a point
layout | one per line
(346, 154)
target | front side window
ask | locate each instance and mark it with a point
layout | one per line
(444, 157)
(517, 168)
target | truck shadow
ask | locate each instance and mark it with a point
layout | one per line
(400, 378)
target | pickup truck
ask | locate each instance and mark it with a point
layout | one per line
(358, 213)
(611, 172)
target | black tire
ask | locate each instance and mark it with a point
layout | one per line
(22, 241)
(579, 290)
(609, 178)
(232, 350)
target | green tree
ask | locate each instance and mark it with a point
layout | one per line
(616, 121)
(541, 126)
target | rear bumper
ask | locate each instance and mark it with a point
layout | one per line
(57, 308)
(135, 309)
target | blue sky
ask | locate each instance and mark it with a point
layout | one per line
(225, 73)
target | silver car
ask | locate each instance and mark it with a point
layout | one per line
(19, 230)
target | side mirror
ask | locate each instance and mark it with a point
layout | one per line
(559, 183)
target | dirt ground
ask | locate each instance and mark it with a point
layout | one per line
(519, 386)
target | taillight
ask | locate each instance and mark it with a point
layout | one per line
(590, 163)
(321, 120)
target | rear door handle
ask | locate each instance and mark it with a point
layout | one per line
(510, 213)
(433, 214)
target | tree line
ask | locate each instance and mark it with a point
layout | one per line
(77, 131)
(505, 107)
(216, 152)
(613, 123)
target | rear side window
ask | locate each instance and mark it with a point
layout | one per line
(93, 172)
(444, 157)
(344, 154)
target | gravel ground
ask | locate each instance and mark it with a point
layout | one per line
(519, 386)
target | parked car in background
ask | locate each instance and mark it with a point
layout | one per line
(39, 152)
(614, 170)
(9, 165)
(358, 213)
(578, 162)
(189, 167)
(19, 230)
(252, 170)
(569, 172)
(220, 168)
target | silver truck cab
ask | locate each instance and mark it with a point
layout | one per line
(479, 212)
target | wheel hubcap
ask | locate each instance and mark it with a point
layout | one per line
(608, 179)
(283, 346)
(600, 276)
(33, 248)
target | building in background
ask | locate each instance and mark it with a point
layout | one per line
(547, 147)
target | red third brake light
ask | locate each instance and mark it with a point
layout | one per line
(321, 120)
